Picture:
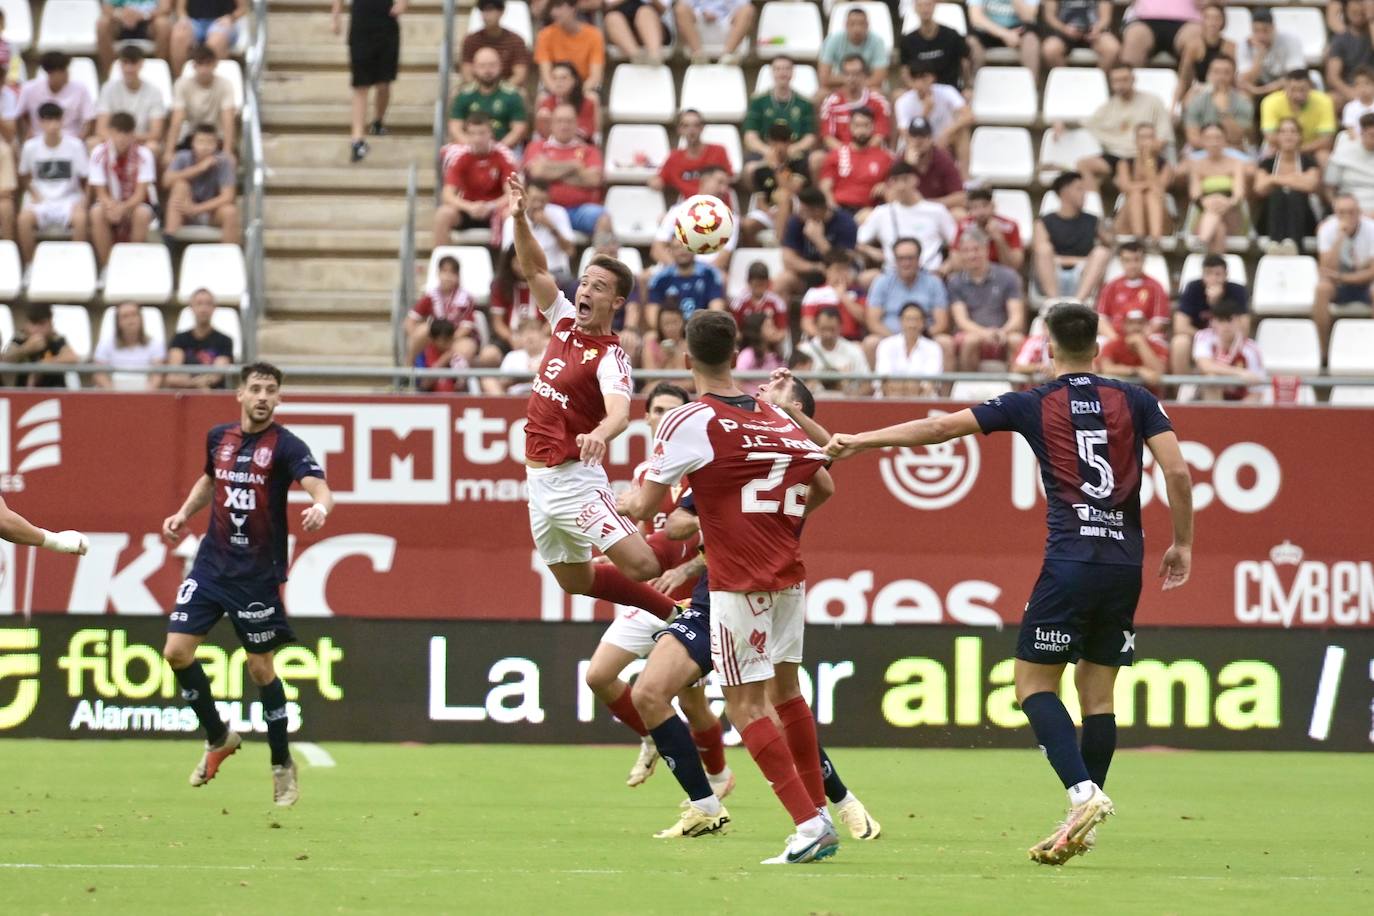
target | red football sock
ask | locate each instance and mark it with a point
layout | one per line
(610, 584)
(624, 709)
(800, 729)
(711, 748)
(769, 750)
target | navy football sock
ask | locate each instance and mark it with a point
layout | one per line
(195, 690)
(675, 745)
(835, 789)
(1055, 732)
(1099, 743)
(274, 711)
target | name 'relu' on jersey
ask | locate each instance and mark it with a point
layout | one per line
(1088, 433)
(567, 398)
(252, 473)
(749, 470)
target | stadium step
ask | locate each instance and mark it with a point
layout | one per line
(335, 116)
(419, 29)
(324, 275)
(337, 242)
(295, 305)
(414, 59)
(357, 179)
(364, 211)
(306, 87)
(311, 151)
(323, 6)
(361, 342)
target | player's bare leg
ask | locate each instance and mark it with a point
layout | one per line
(261, 669)
(603, 679)
(220, 741)
(622, 581)
(708, 735)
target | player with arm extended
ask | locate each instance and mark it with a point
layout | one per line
(754, 475)
(1088, 433)
(241, 564)
(685, 659)
(18, 530)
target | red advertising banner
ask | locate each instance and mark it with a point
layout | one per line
(431, 521)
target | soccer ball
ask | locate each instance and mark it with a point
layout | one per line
(704, 224)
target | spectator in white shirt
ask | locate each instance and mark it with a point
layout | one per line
(531, 339)
(908, 352)
(1345, 259)
(906, 215)
(130, 347)
(127, 92)
(52, 168)
(552, 229)
(829, 352)
(1363, 102)
(123, 176)
(1224, 348)
(944, 109)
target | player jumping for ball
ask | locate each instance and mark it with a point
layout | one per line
(754, 475)
(240, 566)
(579, 403)
(1088, 434)
(686, 658)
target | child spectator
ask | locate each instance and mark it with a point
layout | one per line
(35, 341)
(681, 171)
(124, 185)
(756, 351)
(838, 293)
(52, 168)
(1137, 354)
(1195, 304)
(130, 347)
(758, 298)
(438, 353)
(474, 191)
(201, 189)
(446, 300)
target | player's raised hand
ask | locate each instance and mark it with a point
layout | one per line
(593, 447)
(313, 518)
(174, 528)
(842, 445)
(1176, 566)
(516, 191)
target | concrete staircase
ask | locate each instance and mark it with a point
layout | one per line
(332, 229)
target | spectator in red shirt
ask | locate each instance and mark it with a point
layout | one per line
(758, 297)
(840, 105)
(445, 300)
(1132, 290)
(438, 351)
(681, 171)
(1137, 355)
(838, 293)
(572, 167)
(854, 173)
(1004, 236)
(937, 174)
(474, 193)
(566, 86)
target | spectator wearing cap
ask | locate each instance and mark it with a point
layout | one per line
(201, 97)
(1347, 53)
(1267, 55)
(1004, 236)
(1005, 24)
(1345, 261)
(54, 85)
(1311, 108)
(1138, 353)
(1070, 244)
(908, 352)
(1071, 24)
(202, 187)
(123, 187)
(132, 20)
(907, 214)
(779, 105)
(572, 167)
(474, 189)
(692, 14)
(637, 29)
(1113, 125)
(986, 304)
(941, 107)
(510, 48)
(938, 47)
(141, 99)
(856, 39)
(681, 171)
(937, 174)
(567, 38)
(904, 283)
(840, 105)
(854, 173)
(505, 107)
(1195, 304)
(1224, 348)
(1219, 102)
(758, 297)
(52, 174)
(1132, 290)
(812, 232)
(1350, 170)
(1286, 181)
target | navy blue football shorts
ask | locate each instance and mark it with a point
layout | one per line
(692, 628)
(1081, 611)
(255, 610)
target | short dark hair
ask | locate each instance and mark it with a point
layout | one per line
(50, 111)
(442, 327)
(1073, 329)
(540, 183)
(786, 57)
(624, 278)
(1367, 120)
(812, 196)
(859, 57)
(449, 260)
(38, 312)
(913, 304)
(1365, 71)
(758, 270)
(671, 390)
(1132, 246)
(1227, 58)
(981, 194)
(689, 111)
(204, 54)
(706, 170)
(711, 337)
(132, 53)
(54, 61)
(1213, 260)
(1300, 74)
(476, 118)
(829, 311)
(804, 397)
(553, 3)
(862, 112)
(901, 167)
(204, 128)
(1121, 65)
(838, 255)
(260, 368)
(491, 4)
(1063, 180)
(1225, 309)
(123, 122)
(907, 240)
(778, 132)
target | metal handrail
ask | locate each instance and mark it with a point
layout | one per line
(441, 97)
(254, 244)
(405, 287)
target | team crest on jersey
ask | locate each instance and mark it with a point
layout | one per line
(226, 451)
(589, 355)
(263, 457)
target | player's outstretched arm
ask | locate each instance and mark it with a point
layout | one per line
(174, 526)
(312, 519)
(929, 431)
(1177, 563)
(679, 576)
(18, 530)
(527, 251)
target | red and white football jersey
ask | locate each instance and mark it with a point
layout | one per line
(1243, 353)
(1124, 295)
(669, 553)
(568, 395)
(749, 470)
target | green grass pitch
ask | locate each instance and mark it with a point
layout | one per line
(97, 826)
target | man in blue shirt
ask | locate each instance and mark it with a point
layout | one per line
(688, 282)
(891, 290)
(810, 234)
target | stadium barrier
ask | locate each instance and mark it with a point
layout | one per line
(432, 522)
(465, 681)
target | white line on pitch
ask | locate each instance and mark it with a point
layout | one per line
(314, 755)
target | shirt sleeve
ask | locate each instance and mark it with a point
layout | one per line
(1202, 345)
(210, 452)
(613, 372)
(1269, 114)
(423, 308)
(1150, 413)
(298, 461)
(559, 309)
(846, 232)
(1004, 413)
(102, 106)
(683, 444)
(147, 169)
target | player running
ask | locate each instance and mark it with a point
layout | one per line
(631, 635)
(686, 658)
(754, 475)
(1088, 434)
(240, 566)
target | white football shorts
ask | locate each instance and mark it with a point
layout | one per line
(633, 630)
(753, 631)
(572, 510)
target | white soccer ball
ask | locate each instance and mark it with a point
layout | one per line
(704, 224)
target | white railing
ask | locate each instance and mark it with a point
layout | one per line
(405, 286)
(441, 98)
(255, 172)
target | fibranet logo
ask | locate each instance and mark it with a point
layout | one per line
(30, 443)
(1241, 695)
(1289, 588)
(19, 664)
(105, 663)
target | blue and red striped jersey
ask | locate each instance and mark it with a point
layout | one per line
(1088, 434)
(252, 472)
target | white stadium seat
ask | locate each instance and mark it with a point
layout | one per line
(1289, 345)
(635, 213)
(74, 323)
(630, 257)
(1062, 153)
(1072, 93)
(515, 17)
(726, 135)
(217, 267)
(82, 70)
(6, 324)
(1283, 285)
(634, 152)
(139, 273)
(153, 323)
(475, 270)
(738, 279)
(642, 94)
(1352, 347)
(1237, 27)
(18, 26)
(224, 319)
(1160, 82)
(805, 81)
(1015, 206)
(1192, 269)
(228, 68)
(1306, 24)
(789, 29)
(879, 18)
(11, 273)
(947, 14)
(1352, 396)
(1092, 203)
(715, 90)
(975, 392)
(69, 26)
(1155, 267)
(1004, 95)
(1002, 156)
(62, 272)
